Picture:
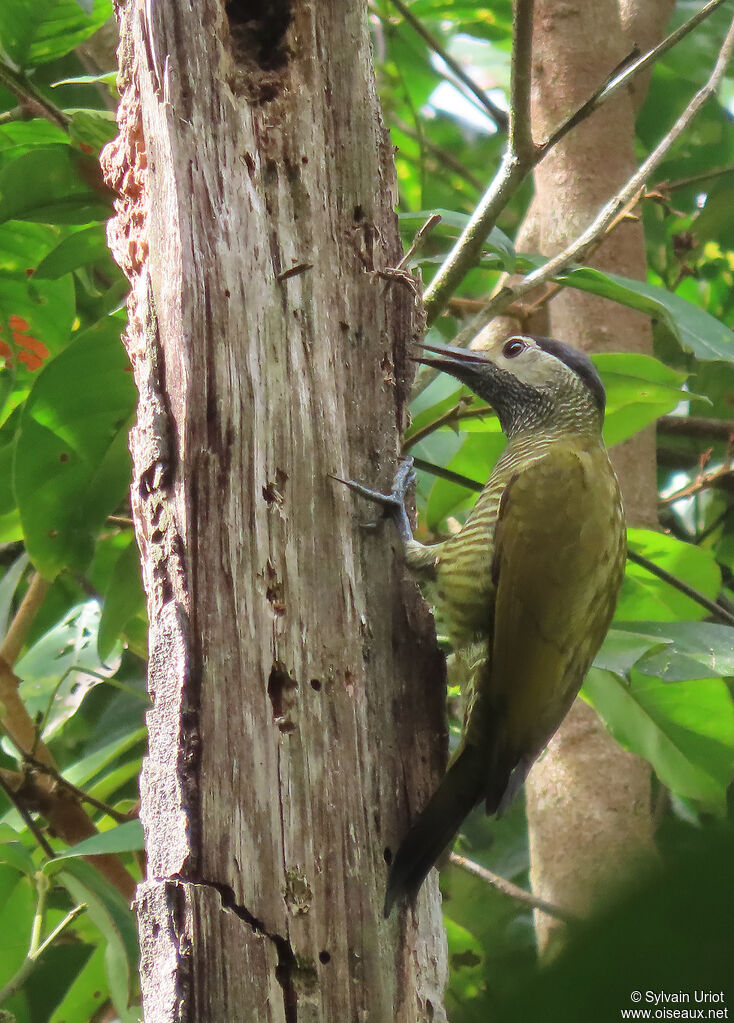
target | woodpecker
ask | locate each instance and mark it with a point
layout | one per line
(527, 588)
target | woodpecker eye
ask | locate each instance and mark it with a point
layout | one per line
(513, 347)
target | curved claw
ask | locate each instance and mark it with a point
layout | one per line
(393, 504)
(388, 501)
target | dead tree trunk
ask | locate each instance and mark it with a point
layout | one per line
(296, 683)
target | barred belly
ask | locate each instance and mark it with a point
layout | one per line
(464, 589)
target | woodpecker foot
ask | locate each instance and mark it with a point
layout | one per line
(393, 504)
(395, 500)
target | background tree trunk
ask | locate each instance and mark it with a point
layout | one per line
(296, 682)
(589, 801)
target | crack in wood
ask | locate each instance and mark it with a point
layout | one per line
(286, 966)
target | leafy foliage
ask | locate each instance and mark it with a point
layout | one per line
(66, 405)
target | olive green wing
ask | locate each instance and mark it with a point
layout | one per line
(556, 569)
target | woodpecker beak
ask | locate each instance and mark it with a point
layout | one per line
(451, 360)
(464, 364)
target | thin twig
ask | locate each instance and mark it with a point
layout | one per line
(418, 240)
(703, 482)
(575, 250)
(38, 947)
(519, 310)
(515, 167)
(448, 474)
(17, 633)
(453, 417)
(496, 113)
(510, 889)
(622, 75)
(27, 816)
(79, 794)
(21, 87)
(716, 610)
(443, 156)
(694, 179)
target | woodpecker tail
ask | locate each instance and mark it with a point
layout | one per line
(462, 787)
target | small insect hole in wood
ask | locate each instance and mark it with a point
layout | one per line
(282, 690)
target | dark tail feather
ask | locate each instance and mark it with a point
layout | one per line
(462, 787)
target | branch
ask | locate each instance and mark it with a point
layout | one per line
(452, 417)
(497, 115)
(623, 74)
(697, 426)
(24, 812)
(37, 947)
(510, 889)
(516, 165)
(694, 179)
(448, 474)
(716, 610)
(520, 136)
(18, 632)
(575, 251)
(702, 482)
(79, 794)
(418, 240)
(22, 87)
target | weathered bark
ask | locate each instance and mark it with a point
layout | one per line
(588, 801)
(297, 688)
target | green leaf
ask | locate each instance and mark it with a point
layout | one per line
(109, 911)
(127, 837)
(646, 597)
(622, 649)
(86, 994)
(80, 249)
(48, 680)
(14, 853)
(54, 185)
(17, 906)
(38, 31)
(89, 766)
(18, 137)
(72, 466)
(452, 223)
(8, 586)
(689, 650)
(697, 331)
(639, 389)
(466, 958)
(109, 78)
(684, 729)
(23, 245)
(124, 599)
(92, 128)
(40, 316)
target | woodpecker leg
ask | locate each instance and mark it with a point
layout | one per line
(392, 504)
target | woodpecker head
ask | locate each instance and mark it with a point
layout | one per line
(531, 382)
